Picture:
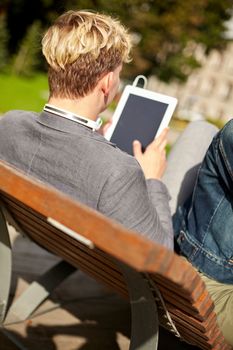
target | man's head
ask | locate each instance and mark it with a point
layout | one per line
(80, 48)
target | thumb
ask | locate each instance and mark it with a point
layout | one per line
(137, 148)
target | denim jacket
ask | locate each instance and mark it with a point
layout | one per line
(204, 225)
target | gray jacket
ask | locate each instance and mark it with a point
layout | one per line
(81, 163)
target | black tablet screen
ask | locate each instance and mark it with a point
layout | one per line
(140, 119)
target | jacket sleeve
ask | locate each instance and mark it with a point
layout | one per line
(138, 204)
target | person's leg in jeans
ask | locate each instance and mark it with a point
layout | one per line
(183, 162)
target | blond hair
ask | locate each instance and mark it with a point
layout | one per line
(80, 47)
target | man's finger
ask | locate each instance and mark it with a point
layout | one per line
(163, 144)
(162, 137)
(137, 148)
(163, 134)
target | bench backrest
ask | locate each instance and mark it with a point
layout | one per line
(88, 240)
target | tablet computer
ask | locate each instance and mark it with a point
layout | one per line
(140, 114)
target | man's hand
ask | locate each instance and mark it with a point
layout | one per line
(153, 160)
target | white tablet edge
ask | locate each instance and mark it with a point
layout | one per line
(130, 89)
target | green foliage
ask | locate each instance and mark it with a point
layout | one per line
(26, 61)
(3, 43)
(23, 93)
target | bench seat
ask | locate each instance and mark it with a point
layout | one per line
(156, 280)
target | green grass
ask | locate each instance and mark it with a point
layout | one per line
(23, 93)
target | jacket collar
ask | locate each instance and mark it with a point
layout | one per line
(68, 126)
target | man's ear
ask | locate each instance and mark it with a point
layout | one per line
(106, 83)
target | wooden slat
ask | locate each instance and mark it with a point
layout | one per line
(200, 308)
(194, 339)
(23, 216)
(179, 316)
(86, 267)
(48, 231)
(197, 284)
(67, 251)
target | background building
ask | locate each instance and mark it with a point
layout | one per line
(208, 92)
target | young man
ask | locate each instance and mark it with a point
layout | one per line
(60, 146)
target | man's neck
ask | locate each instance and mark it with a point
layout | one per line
(83, 107)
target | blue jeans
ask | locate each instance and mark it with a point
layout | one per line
(203, 225)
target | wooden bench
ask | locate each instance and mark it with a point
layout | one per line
(152, 277)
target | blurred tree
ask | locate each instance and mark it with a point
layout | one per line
(21, 14)
(165, 32)
(26, 60)
(3, 42)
